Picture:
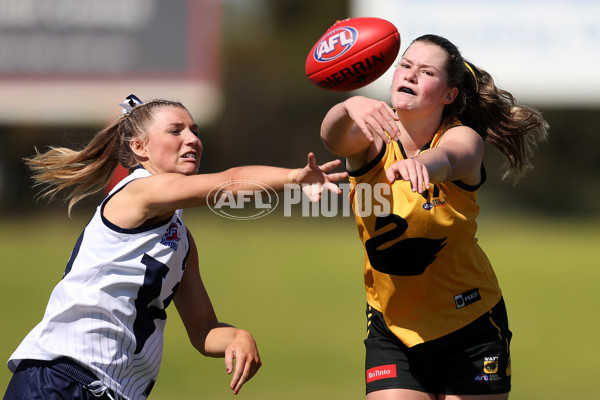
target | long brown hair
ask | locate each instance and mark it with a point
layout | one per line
(512, 128)
(87, 171)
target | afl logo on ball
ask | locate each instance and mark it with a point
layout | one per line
(337, 42)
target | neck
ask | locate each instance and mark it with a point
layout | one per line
(417, 131)
(148, 167)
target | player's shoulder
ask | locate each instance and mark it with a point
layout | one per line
(460, 129)
(462, 134)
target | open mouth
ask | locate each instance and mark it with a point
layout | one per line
(189, 155)
(406, 90)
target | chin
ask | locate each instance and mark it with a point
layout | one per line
(192, 171)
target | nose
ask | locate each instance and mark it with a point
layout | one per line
(410, 75)
(191, 140)
(190, 137)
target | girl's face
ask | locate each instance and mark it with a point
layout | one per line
(420, 80)
(171, 144)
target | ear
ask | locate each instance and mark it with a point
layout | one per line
(137, 146)
(450, 95)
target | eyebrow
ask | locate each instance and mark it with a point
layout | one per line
(180, 124)
(420, 66)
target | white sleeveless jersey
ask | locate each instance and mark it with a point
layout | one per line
(108, 311)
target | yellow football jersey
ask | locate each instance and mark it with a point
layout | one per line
(423, 267)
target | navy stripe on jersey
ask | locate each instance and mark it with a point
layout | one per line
(73, 254)
(117, 228)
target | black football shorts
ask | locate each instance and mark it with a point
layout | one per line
(474, 360)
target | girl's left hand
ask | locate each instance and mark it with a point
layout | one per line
(247, 360)
(410, 170)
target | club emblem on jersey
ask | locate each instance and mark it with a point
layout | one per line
(171, 236)
(406, 257)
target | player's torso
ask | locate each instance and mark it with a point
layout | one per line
(423, 267)
(108, 311)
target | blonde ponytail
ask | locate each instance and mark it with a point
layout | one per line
(82, 173)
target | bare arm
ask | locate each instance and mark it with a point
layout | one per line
(357, 128)
(209, 336)
(458, 157)
(156, 197)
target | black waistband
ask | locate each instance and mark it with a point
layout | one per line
(71, 369)
(66, 366)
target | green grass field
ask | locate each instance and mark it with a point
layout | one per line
(296, 284)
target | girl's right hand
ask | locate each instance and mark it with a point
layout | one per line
(314, 178)
(373, 117)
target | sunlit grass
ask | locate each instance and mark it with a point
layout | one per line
(296, 284)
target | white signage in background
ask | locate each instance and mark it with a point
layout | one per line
(545, 52)
(73, 61)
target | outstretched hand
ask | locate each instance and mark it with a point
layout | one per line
(410, 170)
(316, 178)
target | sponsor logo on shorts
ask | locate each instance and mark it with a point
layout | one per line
(381, 372)
(466, 298)
(490, 365)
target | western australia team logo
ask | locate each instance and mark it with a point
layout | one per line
(171, 236)
(337, 42)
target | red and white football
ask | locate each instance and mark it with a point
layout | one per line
(353, 53)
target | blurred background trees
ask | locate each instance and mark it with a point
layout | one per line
(269, 113)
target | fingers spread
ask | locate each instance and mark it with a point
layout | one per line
(312, 162)
(338, 176)
(331, 187)
(328, 166)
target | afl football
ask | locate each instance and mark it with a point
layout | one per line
(353, 53)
